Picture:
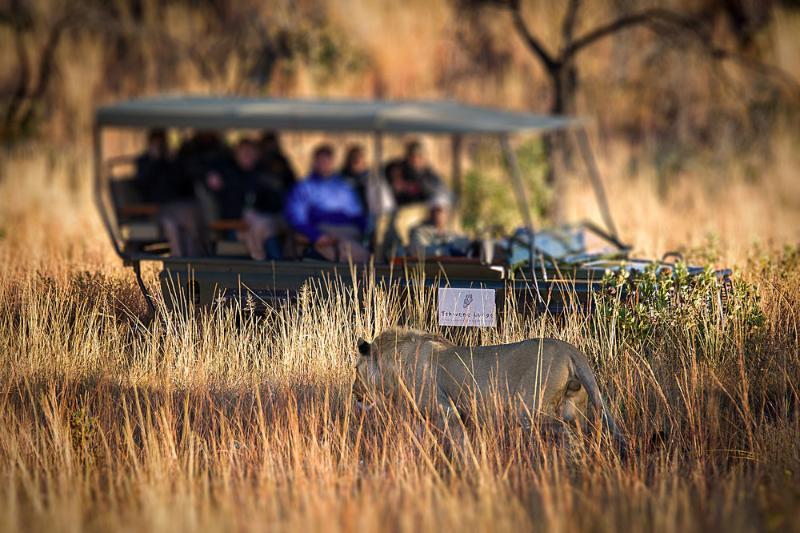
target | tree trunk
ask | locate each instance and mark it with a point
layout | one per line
(564, 85)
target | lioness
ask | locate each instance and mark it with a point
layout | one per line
(544, 376)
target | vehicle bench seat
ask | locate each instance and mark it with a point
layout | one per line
(136, 210)
(223, 245)
(137, 221)
(141, 231)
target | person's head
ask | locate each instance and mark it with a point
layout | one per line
(415, 156)
(207, 139)
(157, 142)
(355, 162)
(270, 142)
(394, 170)
(440, 209)
(322, 160)
(246, 154)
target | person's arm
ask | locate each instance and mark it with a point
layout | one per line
(289, 177)
(144, 172)
(431, 184)
(358, 216)
(298, 212)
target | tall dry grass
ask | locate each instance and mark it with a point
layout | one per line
(222, 420)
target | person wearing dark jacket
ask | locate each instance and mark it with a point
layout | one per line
(265, 201)
(200, 154)
(232, 181)
(273, 161)
(412, 179)
(155, 171)
(355, 171)
(242, 191)
(160, 180)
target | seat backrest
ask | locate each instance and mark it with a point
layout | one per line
(124, 192)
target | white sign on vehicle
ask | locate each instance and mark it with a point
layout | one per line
(467, 307)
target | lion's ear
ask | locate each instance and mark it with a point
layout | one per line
(364, 347)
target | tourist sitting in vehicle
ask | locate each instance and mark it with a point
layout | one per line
(243, 192)
(412, 179)
(159, 180)
(155, 169)
(265, 201)
(355, 171)
(200, 154)
(327, 212)
(273, 161)
(434, 237)
(230, 181)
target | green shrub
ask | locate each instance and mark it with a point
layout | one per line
(671, 305)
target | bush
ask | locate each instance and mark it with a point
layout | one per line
(643, 309)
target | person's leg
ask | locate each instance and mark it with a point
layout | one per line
(188, 221)
(274, 247)
(313, 252)
(262, 235)
(352, 251)
(326, 252)
(255, 234)
(272, 239)
(172, 234)
(343, 251)
(346, 247)
(195, 231)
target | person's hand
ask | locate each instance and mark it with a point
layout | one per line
(325, 240)
(398, 183)
(154, 151)
(214, 181)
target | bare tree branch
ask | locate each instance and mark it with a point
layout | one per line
(764, 69)
(550, 63)
(47, 57)
(568, 24)
(635, 19)
(21, 106)
(694, 26)
(23, 80)
(666, 22)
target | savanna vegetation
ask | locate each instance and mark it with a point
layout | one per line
(222, 420)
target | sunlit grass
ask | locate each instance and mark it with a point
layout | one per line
(223, 420)
(220, 420)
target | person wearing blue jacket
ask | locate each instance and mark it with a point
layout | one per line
(327, 211)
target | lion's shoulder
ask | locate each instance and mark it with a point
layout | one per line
(410, 341)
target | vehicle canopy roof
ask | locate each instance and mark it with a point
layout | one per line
(444, 117)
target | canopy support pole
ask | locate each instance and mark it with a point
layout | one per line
(456, 145)
(377, 156)
(99, 178)
(137, 269)
(524, 206)
(99, 182)
(374, 186)
(596, 180)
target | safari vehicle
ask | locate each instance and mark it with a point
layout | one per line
(544, 270)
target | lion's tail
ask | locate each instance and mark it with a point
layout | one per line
(585, 375)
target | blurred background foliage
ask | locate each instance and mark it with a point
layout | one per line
(651, 83)
(674, 90)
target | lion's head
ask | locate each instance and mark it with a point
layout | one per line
(393, 362)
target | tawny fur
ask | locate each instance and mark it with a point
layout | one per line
(547, 377)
